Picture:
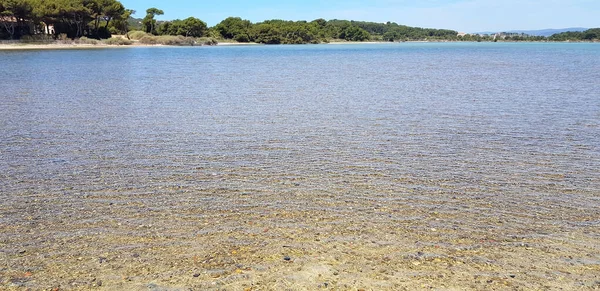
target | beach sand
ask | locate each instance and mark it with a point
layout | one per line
(295, 238)
(58, 46)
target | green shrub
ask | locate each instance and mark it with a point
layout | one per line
(85, 40)
(242, 38)
(117, 41)
(175, 40)
(207, 41)
(148, 39)
(138, 35)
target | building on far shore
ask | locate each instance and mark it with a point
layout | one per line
(461, 34)
(8, 19)
(8, 26)
(11, 24)
(48, 28)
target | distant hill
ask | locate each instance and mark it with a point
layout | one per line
(541, 32)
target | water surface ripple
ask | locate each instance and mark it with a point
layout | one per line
(514, 126)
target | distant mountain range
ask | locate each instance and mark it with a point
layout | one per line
(541, 32)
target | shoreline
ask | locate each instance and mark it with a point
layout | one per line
(62, 46)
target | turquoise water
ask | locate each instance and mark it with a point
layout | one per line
(475, 119)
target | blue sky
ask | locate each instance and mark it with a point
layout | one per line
(461, 15)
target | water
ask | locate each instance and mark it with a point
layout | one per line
(514, 125)
(463, 115)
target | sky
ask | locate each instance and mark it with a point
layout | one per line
(460, 15)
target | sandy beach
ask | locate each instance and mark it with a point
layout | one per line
(293, 239)
(50, 46)
(60, 46)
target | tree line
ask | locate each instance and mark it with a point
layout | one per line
(288, 32)
(588, 35)
(321, 30)
(74, 18)
(101, 18)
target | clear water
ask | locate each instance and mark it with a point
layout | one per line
(510, 121)
(474, 166)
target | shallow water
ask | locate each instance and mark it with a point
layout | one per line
(470, 114)
(477, 132)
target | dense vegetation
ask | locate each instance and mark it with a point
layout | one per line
(74, 18)
(321, 30)
(289, 32)
(99, 19)
(588, 35)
